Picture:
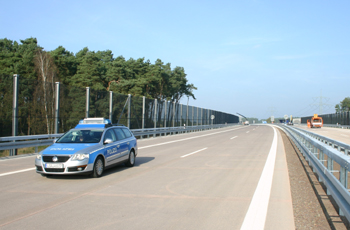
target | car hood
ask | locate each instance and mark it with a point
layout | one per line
(69, 149)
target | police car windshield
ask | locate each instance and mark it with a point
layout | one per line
(81, 136)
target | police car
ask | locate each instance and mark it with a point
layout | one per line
(92, 146)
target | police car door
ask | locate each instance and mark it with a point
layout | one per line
(111, 150)
(123, 143)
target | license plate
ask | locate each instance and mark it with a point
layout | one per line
(54, 166)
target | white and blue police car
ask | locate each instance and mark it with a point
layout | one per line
(92, 146)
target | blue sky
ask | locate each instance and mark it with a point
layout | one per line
(253, 57)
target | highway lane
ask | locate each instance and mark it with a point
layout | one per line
(203, 180)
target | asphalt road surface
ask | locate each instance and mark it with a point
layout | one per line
(231, 178)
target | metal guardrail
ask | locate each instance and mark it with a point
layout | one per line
(340, 146)
(314, 151)
(18, 142)
(337, 126)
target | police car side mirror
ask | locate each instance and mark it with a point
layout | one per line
(108, 141)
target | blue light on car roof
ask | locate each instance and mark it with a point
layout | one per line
(95, 120)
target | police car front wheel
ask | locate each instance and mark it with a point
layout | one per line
(98, 168)
(131, 160)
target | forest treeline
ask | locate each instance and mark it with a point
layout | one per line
(98, 70)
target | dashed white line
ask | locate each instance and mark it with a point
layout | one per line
(14, 172)
(256, 215)
(233, 137)
(164, 143)
(344, 135)
(247, 131)
(193, 153)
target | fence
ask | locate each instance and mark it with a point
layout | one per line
(342, 118)
(48, 108)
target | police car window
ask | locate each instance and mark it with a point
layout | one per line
(127, 133)
(81, 136)
(120, 134)
(110, 135)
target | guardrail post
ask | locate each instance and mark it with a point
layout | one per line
(343, 177)
(13, 152)
(129, 109)
(330, 168)
(111, 106)
(57, 107)
(87, 102)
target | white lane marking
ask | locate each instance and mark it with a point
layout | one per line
(16, 158)
(256, 215)
(343, 135)
(14, 172)
(247, 131)
(165, 143)
(233, 137)
(193, 153)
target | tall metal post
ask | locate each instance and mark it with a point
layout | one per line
(13, 152)
(187, 114)
(180, 114)
(165, 112)
(110, 105)
(143, 111)
(155, 115)
(197, 123)
(57, 107)
(87, 101)
(192, 115)
(208, 117)
(129, 109)
(174, 114)
(202, 116)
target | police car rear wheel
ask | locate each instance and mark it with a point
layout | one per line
(131, 160)
(98, 168)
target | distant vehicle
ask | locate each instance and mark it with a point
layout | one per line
(264, 122)
(246, 123)
(93, 145)
(316, 122)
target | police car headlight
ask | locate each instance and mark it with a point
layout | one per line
(38, 156)
(80, 157)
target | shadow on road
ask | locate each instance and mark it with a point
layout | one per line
(110, 171)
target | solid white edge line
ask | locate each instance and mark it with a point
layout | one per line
(14, 172)
(193, 153)
(257, 211)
